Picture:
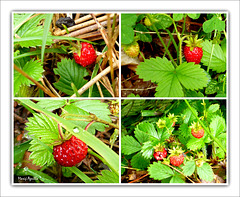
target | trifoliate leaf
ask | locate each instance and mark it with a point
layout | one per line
(141, 136)
(129, 145)
(189, 168)
(205, 172)
(70, 72)
(139, 162)
(33, 68)
(159, 171)
(169, 79)
(213, 56)
(107, 177)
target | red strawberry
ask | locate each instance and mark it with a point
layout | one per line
(197, 130)
(159, 155)
(70, 152)
(86, 56)
(194, 55)
(177, 160)
(198, 133)
(193, 50)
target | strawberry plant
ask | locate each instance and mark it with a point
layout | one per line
(65, 139)
(179, 54)
(59, 56)
(158, 145)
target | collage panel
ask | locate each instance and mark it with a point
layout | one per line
(174, 54)
(65, 54)
(65, 141)
(174, 141)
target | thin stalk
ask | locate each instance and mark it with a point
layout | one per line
(160, 38)
(205, 128)
(173, 41)
(184, 24)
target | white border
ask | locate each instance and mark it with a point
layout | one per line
(231, 190)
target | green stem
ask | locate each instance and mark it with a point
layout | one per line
(173, 41)
(184, 23)
(205, 128)
(160, 38)
(180, 48)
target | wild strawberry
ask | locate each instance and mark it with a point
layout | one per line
(176, 156)
(197, 133)
(197, 130)
(86, 55)
(172, 118)
(159, 155)
(132, 50)
(177, 160)
(193, 50)
(70, 152)
(147, 22)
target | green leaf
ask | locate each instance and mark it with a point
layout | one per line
(191, 76)
(30, 24)
(159, 171)
(36, 174)
(47, 23)
(43, 128)
(129, 145)
(205, 172)
(70, 72)
(19, 18)
(176, 179)
(195, 144)
(148, 128)
(127, 33)
(213, 24)
(27, 41)
(20, 150)
(33, 68)
(188, 115)
(213, 108)
(107, 177)
(141, 136)
(143, 37)
(213, 56)
(139, 162)
(189, 168)
(161, 21)
(40, 154)
(52, 104)
(169, 79)
(217, 126)
(194, 15)
(177, 16)
(80, 174)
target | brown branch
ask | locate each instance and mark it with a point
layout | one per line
(139, 178)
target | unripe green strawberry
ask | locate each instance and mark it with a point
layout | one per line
(132, 50)
(147, 22)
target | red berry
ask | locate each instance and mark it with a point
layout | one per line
(159, 155)
(87, 56)
(177, 160)
(70, 152)
(194, 55)
(197, 133)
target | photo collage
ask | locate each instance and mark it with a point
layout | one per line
(120, 98)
